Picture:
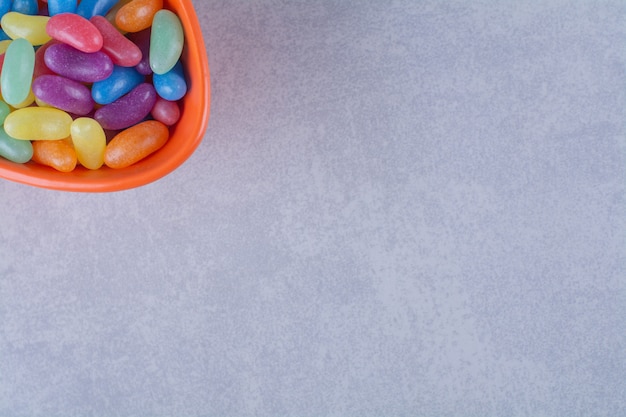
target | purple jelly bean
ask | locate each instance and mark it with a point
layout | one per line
(63, 93)
(142, 40)
(79, 66)
(127, 110)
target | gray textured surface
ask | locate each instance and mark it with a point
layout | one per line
(408, 209)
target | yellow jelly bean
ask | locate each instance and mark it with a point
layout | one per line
(38, 123)
(4, 45)
(31, 28)
(89, 142)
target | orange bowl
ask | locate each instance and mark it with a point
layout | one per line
(185, 136)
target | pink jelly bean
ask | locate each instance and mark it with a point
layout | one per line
(63, 93)
(76, 65)
(127, 110)
(119, 48)
(75, 31)
(165, 111)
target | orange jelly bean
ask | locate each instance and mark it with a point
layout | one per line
(135, 143)
(137, 15)
(58, 154)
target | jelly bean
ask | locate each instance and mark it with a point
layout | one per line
(4, 45)
(76, 31)
(165, 111)
(31, 28)
(15, 150)
(61, 6)
(166, 41)
(4, 36)
(30, 99)
(89, 142)
(135, 143)
(142, 40)
(110, 16)
(58, 154)
(4, 111)
(30, 7)
(33, 123)
(79, 66)
(17, 71)
(137, 15)
(5, 7)
(63, 93)
(171, 85)
(119, 48)
(127, 110)
(91, 8)
(40, 66)
(121, 81)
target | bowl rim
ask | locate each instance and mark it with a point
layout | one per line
(147, 170)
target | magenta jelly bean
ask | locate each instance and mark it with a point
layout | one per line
(76, 31)
(77, 65)
(119, 48)
(63, 93)
(127, 110)
(165, 111)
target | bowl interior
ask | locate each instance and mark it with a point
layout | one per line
(185, 136)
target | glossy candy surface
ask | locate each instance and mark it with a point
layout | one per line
(142, 40)
(17, 71)
(137, 15)
(77, 65)
(91, 8)
(33, 123)
(165, 111)
(30, 7)
(166, 41)
(128, 110)
(121, 81)
(15, 150)
(135, 143)
(58, 154)
(76, 31)
(89, 142)
(171, 85)
(63, 93)
(31, 28)
(119, 48)
(61, 6)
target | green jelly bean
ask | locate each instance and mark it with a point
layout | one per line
(19, 151)
(166, 41)
(17, 71)
(4, 111)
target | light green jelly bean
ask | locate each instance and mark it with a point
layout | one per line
(20, 151)
(166, 41)
(4, 111)
(17, 71)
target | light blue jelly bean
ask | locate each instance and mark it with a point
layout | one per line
(30, 7)
(61, 6)
(5, 7)
(120, 82)
(17, 71)
(4, 111)
(15, 150)
(91, 8)
(171, 85)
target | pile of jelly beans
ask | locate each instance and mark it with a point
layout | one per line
(89, 82)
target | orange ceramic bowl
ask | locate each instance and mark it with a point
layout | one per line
(185, 136)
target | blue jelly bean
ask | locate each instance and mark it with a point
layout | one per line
(121, 81)
(4, 36)
(61, 6)
(5, 7)
(91, 8)
(171, 85)
(30, 7)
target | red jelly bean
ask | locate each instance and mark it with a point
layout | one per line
(119, 48)
(128, 110)
(40, 65)
(165, 111)
(75, 31)
(135, 143)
